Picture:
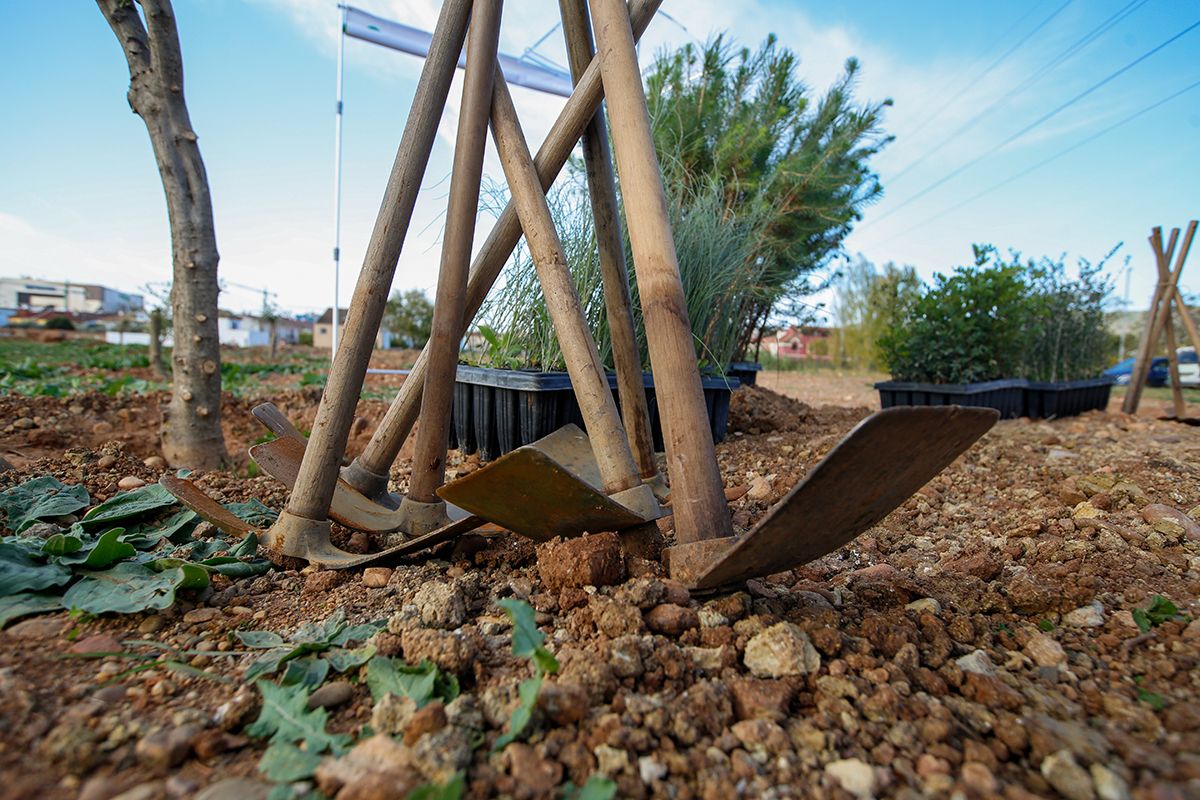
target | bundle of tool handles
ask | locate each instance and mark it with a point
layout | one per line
(568, 483)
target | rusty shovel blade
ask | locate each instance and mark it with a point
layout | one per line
(280, 458)
(876, 467)
(323, 552)
(541, 490)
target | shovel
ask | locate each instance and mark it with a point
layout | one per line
(318, 550)
(876, 467)
(563, 484)
(281, 460)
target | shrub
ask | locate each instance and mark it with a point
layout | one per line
(998, 320)
(60, 324)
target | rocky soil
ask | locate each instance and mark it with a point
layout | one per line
(982, 641)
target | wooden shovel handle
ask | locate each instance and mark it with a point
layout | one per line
(398, 422)
(617, 468)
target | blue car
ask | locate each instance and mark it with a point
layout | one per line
(1123, 369)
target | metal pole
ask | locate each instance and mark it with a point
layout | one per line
(337, 176)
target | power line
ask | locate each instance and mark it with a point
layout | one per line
(1088, 140)
(1105, 26)
(1035, 124)
(986, 70)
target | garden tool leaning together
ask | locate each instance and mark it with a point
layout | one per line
(566, 483)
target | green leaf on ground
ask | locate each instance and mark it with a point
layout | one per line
(526, 638)
(39, 498)
(146, 535)
(422, 682)
(450, 790)
(99, 554)
(342, 659)
(25, 604)
(127, 505)
(286, 718)
(1160, 610)
(20, 572)
(527, 693)
(127, 588)
(309, 672)
(260, 640)
(62, 544)
(1152, 699)
(597, 787)
(254, 512)
(286, 763)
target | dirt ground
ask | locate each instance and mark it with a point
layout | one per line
(982, 641)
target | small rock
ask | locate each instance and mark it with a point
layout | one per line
(377, 768)
(102, 428)
(130, 482)
(212, 743)
(780, 650)
(441, 605)
(593, 560)
(201, 615)
(538, 776)
(979, 779)
(155, 462)
(151, 790)
(166, 748)
(976, 661)
(331, 695)
(392, 713)
(111, 695)
(323, 581)
(23, 423)
(760, 489)
(430, 718)
(564, 703)
(1109, 785)
(1044, 651)
(101, 643)
(238, 710)
(671, 620)
(854, 775)
(106, 462)
(650, 770)
(151, 624)
(376, 577)
(754, 697)
(1172, 519)
(1089, 616)
(1063, 773)
(925, 604)
(36, 628)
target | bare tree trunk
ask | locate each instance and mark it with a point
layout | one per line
(192, 422)
(156, 359)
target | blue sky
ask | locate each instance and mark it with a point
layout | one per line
(80, 197)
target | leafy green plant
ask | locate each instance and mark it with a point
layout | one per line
(744, 120)
(421, 683)
(1160, 610)
(311, 651)
(97, 568)
(1069, 334)
(527, 642)
(969, 326)
(450, 790)
(286, 719)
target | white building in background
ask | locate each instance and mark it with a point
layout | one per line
(81, 298)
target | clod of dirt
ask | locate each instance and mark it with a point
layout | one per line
(441, 605)
(593, 560)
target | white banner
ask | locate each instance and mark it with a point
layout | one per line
(408, 39)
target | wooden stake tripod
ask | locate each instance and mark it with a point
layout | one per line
(1158, 322)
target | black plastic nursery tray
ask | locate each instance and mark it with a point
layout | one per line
(1067, 398)
(1006, 396)
(745, 371)
(498, 410)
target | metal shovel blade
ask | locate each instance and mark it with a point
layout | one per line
(280, 458)
(322, 552)
(876, 467)
(541, 490)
